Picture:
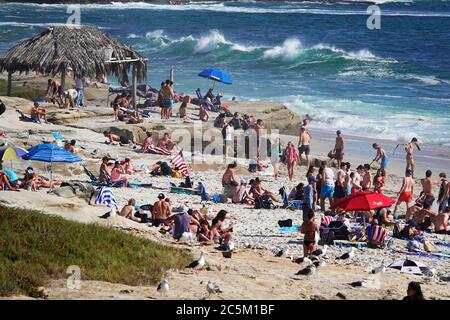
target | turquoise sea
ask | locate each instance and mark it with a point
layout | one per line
(320, 59)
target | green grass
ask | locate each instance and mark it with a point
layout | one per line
(35, 247)
(20, 91)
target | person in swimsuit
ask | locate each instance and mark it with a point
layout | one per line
(338, 150)
(379, 181)
(258, 127)
(427, 186)
(443, 196)
(116, 173)
(292, 157)
(340, 187)
(366, 182)
(230, 183)
(218, 233)
(440, 222)
(406, 191)
(122, 139)
(309, 228)
(128, 211)
(381, 155)
(167, 99)
(161, 210)
(409, 148)
(304, 144)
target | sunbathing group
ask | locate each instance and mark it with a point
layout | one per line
(112, 171)
(184, 224)
(30, 181)
(165, 143)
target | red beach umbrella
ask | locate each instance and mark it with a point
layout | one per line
(363, 201)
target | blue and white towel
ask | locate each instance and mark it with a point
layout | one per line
(106, 196)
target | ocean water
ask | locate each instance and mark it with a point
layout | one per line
(319, 59)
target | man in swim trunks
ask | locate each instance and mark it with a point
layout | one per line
(327, 189)
(229, 182)
(128, 210)
(167, 98)
(406, 191)
(423, 217)
(381, 155)
(338, 150)
(409, 148)
(441, 222)
(122, 139)
(161, 210)
(427, 186)
(303, 144)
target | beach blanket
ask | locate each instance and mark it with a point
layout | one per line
(106, 196)
(292, 229)
(162, 151)
(441, 243)
(140, 185)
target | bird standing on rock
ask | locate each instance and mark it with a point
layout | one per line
(212, 288)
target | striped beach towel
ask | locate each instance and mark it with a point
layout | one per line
(377, 234)
(157, 150)
(106, 196)
(178, 161)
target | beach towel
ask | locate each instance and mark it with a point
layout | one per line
(292, 229)
(180, 164)
(162, 151)
(57, 136)
(106, 197)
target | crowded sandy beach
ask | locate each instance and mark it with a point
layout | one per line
(118, 183)
(269, 244)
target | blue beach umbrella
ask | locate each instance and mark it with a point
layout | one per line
(216, 75)
(48, 152)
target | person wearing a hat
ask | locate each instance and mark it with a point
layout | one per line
(308, 197)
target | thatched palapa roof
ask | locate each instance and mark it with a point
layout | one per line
(86, 50)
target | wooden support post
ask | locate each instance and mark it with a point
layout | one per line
(134, 82)
(9, 89)
(63, 78)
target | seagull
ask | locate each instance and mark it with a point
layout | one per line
(320, 252)
(282, 252)
(212, 288)
(199, 263)
(106, 215)
(308, 271)
(230, 246)
(348, 255)
(360, 283)
(163, 287)
(319, 263)
(379, 269)
(303, 260)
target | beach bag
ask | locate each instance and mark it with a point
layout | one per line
(429, 246)
(285, 223)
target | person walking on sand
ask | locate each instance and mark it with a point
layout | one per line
(381, 155)
(258, 127)
(292, 157)
(304, 144)
(406, 191)
(327, 189)
(338, 150)
(308, 197)
(409, 148)
(310, 229)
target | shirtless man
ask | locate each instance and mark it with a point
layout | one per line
(441, 222)
(416, 207)
(70, 146)
(161, 210)
(303, 144)
(406, 191)
(148, 142)
(427, 186)
(38, 113)
(166, 142)
(423, 217)
(122, 139)
(338, 150)
(127, 211)
(366, 182)
(409, 148)
(381, 155)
